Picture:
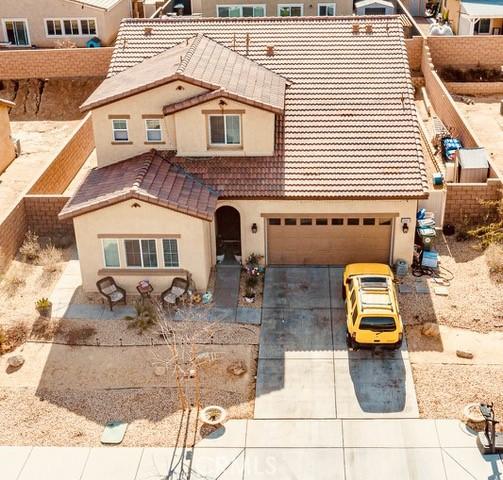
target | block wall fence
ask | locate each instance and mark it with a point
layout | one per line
(54, 63)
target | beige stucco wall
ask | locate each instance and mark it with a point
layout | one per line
(257, 130)
(209, 7)
(193, 244)
(7, 151)
(184, 131)
(251, 210)
(36, 12)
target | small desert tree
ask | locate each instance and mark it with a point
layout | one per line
(184, 359)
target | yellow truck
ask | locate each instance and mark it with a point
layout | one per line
(372, 314)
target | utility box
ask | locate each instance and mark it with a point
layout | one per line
(473, 165)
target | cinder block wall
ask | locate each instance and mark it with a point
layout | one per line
(414, 47)
(68, 161)
(467, 51)
(55, 63)
(42, 215)
(443, 104)
(464, 200)
(475, 88)
(12, 230)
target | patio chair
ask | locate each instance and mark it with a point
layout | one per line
(111, 291)
(179, 286)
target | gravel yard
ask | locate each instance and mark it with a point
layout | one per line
(80, 388)
(474, 300)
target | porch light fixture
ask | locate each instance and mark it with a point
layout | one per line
(405, 225)
(254, 228)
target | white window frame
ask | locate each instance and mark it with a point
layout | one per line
(95, 34)
(490, 26)
(103, 240)
(177, 252)
(139, 240)
(333, 5)
(290, 5)
(47, 34)
(120, 130)
(225, 144)
(152, 129)
(25, 20)
(252, 5)
(79, 26)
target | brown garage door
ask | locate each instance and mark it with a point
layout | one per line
(329, 240)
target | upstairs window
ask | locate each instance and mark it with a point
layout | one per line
(326, 9)
(240, 10)
(153, 128)
(290, 10)
(120, 131)
(225, 129)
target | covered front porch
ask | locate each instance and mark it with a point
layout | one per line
(481, 17)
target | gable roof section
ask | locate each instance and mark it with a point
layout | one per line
(147, 177)
(350, 123)
(201, 61)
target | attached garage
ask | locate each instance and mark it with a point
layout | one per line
(328, 240)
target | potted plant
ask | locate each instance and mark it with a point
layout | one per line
(43, 307)
(249, 295)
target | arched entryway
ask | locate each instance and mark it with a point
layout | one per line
(228, 235)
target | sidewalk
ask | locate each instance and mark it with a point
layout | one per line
(279, 450)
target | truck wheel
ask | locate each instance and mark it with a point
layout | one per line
(343, 292)
(352, 344)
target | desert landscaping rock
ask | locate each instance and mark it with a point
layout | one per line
(237, 368)
(15, 361)
(463, 354)
(430, 330)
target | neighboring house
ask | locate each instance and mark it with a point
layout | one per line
(270, 8)
(374, 7)
(475, 17)
(296, 139)
(7, 150)
(48, 23)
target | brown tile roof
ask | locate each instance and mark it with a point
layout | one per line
(201, 61)
(147, 177)
(350, 125)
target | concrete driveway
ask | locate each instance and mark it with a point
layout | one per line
(305, 369)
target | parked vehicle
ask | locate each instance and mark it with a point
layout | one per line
(372, 314)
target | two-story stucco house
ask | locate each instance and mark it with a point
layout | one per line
(47, 23)
(295, 138)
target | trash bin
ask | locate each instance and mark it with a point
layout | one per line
(427, 236)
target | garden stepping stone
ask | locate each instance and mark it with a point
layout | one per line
(441, 290)
(114, 432)
(402, 288)
(422, 288)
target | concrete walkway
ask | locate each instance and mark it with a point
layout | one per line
(279, 450)
(305, 369)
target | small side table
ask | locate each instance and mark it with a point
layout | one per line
(144, 289)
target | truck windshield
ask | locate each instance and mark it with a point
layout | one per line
(378, 324)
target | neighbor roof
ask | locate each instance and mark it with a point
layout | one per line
(147, 177)
(350, 124)
(366, 3)
(103, 4)
(201, 61)
(482, 8)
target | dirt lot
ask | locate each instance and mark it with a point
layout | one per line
(48, 99)
(80, 388)
(474, 301)
(470, 319)
(485, 118)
